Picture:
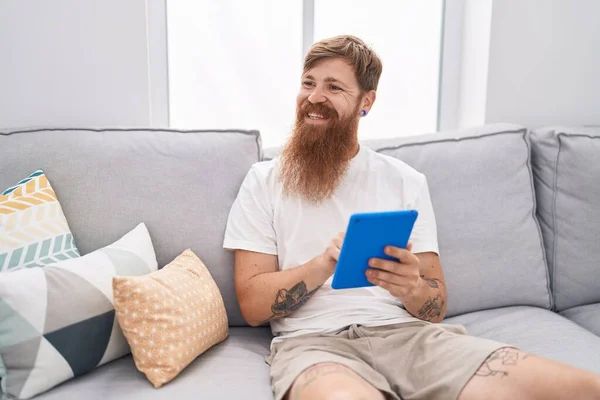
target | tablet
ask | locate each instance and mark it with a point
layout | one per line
(366, 237)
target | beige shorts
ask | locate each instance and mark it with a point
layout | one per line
(415, 360)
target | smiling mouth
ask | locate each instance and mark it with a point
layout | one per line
(315, 116)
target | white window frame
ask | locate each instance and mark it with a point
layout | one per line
(450, 60)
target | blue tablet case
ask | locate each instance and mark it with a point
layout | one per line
(366, 237)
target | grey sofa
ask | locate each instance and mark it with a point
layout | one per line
(518, 216)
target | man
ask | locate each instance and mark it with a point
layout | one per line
(377, 342)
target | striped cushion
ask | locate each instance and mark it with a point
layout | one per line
(33, 229)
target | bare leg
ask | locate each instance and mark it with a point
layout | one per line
(514, 374)
(332, 381)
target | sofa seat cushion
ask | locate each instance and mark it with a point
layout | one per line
(538, 331)
(587, 316)
(234, 369)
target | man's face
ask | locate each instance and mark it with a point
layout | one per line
(324, 138)
(329, 91)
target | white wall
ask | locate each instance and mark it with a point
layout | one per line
(544, 65)
(81, 63)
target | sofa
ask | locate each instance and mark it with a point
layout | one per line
(517, 211)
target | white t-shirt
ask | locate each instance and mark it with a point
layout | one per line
(263, 220)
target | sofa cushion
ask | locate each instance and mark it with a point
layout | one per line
(180, 183)
(567, 182)
(481, 188)
(234, 369)
(482, 192)
(58, 322)
(587, 316)
(33, 228)
(170, 316)
(537, 331)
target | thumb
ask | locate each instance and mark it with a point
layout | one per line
(409, 246)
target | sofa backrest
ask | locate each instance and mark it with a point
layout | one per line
(566, 165)
(481, 187)
(181, 184)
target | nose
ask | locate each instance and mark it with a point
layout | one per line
(317, 96)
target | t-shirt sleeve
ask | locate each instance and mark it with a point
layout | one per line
(424, 233)
(250, 221)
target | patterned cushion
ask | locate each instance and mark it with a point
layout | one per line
(58, 322)
(33, 228)
(171, 316)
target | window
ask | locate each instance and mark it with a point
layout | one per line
(237, 63)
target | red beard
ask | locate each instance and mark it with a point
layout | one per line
(315, 158)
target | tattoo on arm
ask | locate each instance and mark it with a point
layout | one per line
(288, 301)
(432, 283)
(497, 363)
(432, 308)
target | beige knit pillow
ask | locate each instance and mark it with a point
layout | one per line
(170, 316)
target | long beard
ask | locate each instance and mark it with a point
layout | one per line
(315, 158)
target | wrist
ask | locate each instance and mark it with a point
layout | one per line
(416, 292)
(324, 265)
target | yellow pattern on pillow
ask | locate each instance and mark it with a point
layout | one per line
(33, 229)
(170, 316)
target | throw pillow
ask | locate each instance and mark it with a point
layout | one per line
(58, 322)
(171, 316)
(33, 229)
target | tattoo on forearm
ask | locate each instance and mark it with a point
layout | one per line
(497, 363)
(432, 308)
(432, 283)
(288, 301)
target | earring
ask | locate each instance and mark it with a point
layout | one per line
(363, 113)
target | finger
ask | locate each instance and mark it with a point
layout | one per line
(403, 255)
(337, 241)
(409, 246)
(392, 266)
(393, 289)
(385, 276)
(383, 284)
(334, 253)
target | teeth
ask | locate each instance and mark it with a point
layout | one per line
(315, 116)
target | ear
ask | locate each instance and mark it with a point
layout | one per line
(368, 100)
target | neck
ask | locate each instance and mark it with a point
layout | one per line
(353, 150)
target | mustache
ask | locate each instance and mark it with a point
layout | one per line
(318, 108)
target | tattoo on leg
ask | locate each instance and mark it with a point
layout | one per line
(319, 371)
(432, 308)
(288, 301)
(495, 365)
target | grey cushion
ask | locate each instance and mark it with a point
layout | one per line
(181, 184)
(482, 192)
(537, 331)
(567, 180)
(587, 316)
(234, 369)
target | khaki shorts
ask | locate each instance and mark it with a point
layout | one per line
(415, 360)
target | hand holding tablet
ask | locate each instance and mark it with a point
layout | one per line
(366, 237)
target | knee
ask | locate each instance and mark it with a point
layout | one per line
(332, 382)
(594, 386)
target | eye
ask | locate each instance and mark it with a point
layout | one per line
(334, 88)
(308, 84)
